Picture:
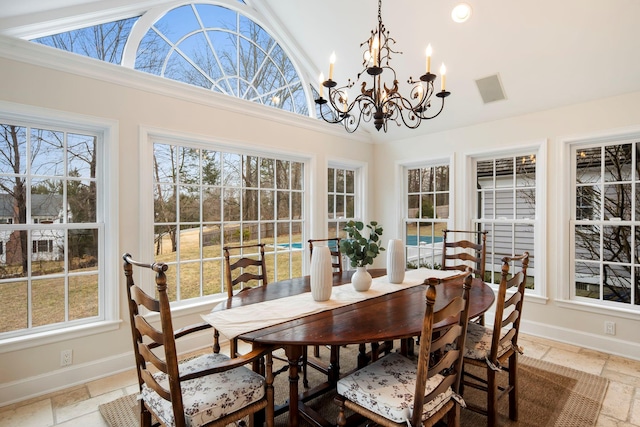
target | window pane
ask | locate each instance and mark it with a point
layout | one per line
(282, 174)
(427, 210)
(617, 201)
(296, 205)
(13, 143)
(618, 163)
(617, 283)
(250, 205)
(297, 176)
(189, 164)
(189, 203)
(331, 180)
(231, 204)
(83, 250)
(211, 169)
(83, 296)
(47, 301)
(283, 204)
(267, 173)
(81, 155)
(349, 180)
(587, 238)
(13, 305)
(588, 162)
(587, 280)
(47, 155)
(485, 174)
(413, 180)
(616, 243)
(267, 205)
(442, 178)
(250, 171)
(232, 169)
(427, 180)
(504, 172)
(340, 187)
(211, 204)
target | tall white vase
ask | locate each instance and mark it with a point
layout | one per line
(361, 279)
(395, 261)
(321, 273)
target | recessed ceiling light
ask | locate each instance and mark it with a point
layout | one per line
(461, 12)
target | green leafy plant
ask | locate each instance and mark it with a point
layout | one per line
(361, 250)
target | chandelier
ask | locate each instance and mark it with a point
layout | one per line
(380, 101)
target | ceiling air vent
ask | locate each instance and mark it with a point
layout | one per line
(491, 89)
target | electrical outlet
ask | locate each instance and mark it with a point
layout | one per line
(66, 357)
(610, 328)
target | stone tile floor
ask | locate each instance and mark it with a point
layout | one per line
(78, 406)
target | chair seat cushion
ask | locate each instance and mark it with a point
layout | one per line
(207, 398)
(386, 387)
(478, 342)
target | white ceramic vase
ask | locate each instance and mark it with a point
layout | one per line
(321, 273)
(361, 279)
(395, 261)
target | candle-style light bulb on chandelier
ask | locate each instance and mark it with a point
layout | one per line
(380, 101)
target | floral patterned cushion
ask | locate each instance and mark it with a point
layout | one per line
(478, 342)
(207, 398)
(386, 387)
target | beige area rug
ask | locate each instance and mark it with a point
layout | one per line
(550, 395)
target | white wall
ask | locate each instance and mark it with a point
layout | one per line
(32, 371)
(551, 317)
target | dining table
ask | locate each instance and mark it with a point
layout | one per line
(284, 315)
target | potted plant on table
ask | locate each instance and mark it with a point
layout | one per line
(361, 250)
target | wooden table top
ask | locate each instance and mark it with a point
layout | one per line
(387, 317)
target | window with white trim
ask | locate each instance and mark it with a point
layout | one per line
(205, 199)
(605, 223)
(427, 213)
(506, 194)
(52, 205)
(342, 185)
(208, 44)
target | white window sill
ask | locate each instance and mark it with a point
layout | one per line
(598, 308)
(62, 334)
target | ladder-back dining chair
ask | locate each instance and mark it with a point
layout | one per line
(496, 349)
(249, 261)
(396, 391)
(208, 390)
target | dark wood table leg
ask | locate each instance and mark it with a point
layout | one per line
(294, 353)
(333, 370)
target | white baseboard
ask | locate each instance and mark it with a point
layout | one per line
(603, 343)
(70, 376)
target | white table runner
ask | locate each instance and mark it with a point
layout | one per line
(240, 320)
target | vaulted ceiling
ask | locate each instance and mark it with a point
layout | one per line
(547, 53)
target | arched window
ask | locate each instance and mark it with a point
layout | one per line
(202, 44)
